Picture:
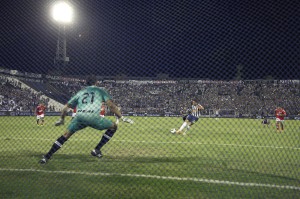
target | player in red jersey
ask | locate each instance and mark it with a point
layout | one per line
(103, 108)
(74, 113)
(40, 114)
(279, 114)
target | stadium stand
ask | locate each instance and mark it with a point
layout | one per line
(238, 98)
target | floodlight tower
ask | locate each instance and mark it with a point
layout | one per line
(62, 13)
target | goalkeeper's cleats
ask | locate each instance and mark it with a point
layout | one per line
(59, 122)
(44, 160)
(96, 153)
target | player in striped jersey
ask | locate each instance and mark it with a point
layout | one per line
(191, 118)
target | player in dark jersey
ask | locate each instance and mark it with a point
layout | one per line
(88, 103)
(266, 122)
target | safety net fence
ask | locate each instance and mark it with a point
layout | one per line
(150, 99)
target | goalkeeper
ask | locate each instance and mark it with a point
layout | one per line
(88, 103)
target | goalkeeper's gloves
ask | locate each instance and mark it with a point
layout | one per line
(59, 122)
(125, 119)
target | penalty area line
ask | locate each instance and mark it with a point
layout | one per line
(201, 180)
(151, 142)
(215, 144)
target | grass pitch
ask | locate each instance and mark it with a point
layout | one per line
(225, 158)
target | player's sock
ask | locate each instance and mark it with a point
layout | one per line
(105, 138)
(37, 122)
(281, 126)
(187, 128)
(56, 145)
(182, 126)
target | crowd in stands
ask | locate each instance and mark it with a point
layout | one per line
(239, 98)
(234, 97)
(15, 98)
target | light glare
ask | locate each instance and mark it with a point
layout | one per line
(62, 12)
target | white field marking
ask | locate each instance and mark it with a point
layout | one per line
(151, 142)
(209, 181)
(200, 143)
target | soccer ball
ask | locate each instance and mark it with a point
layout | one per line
(173, 131)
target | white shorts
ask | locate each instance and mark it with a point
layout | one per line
(40, 116)
(279, 120)
(73, 114)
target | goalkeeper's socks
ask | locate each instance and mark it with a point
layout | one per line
(105, 138)
(56, 145)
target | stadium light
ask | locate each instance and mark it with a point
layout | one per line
(62, 12)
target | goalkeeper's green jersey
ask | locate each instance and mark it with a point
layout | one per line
(88, 101)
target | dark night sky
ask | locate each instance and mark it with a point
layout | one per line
(190, 39)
